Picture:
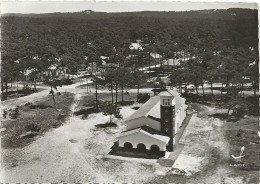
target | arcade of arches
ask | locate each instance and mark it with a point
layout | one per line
(141, 147)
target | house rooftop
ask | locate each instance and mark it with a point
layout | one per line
(135, 46)
(172, 62)
(155, 55)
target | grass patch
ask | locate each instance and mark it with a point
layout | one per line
(89, 100)
(40, 106)
(20, 93)
(85, 112)
(87, 103)
(42, 119)
(221, 116)
(244, 133)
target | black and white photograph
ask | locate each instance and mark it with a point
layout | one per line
(159, 92)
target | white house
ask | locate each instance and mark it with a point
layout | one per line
(135, 46)
(154, 125)
(104, 59)
(171, 63)
(155, 56)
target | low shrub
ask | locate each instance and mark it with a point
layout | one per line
(84, 116)
(66, 81)
(221, 116)
(32, 127)
(55, 125)
(135, 108)
(16, 110)
(106, 125)
(26, 90)
(3, 97)
(253, 100)
(40, 106)
(5, 114)
(28, 104)
(142, 98)
(61, 116)
(85, 112)
(14, 113)
(126, 103)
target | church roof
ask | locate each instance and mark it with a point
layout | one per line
(145, 108)
(147, 131)
(151, 109)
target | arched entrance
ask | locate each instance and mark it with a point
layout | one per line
(155, 149)
(128, 145)
(141, 147)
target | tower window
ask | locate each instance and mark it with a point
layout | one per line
(166, 102)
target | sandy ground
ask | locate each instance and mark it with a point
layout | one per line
(12, 103)
(75, 151)
(205, 157)
(201, 136)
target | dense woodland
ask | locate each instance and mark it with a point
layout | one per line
(222, 44)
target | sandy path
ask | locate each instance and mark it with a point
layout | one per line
(11, 103)
(206, 149)
(71, 153)
(51, 156)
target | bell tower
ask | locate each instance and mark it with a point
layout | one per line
(167, 112)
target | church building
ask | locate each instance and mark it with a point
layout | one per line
(154, 125)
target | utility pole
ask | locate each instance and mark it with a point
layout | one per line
(149, 64)
(96, 97)
(116, 85)
(87, 85)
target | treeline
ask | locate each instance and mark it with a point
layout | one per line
(233, 68)
(38, 42)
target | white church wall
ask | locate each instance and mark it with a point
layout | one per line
(139, 137)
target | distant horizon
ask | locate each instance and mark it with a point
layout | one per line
(44, 7)
(133, 11)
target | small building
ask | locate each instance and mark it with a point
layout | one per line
(169, 64)
(104, 59)
(154, 125)
(135, 46)
(155, 56)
